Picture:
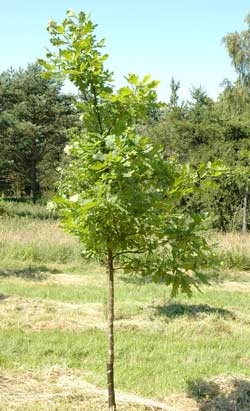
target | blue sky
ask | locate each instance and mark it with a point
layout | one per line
(180, 38)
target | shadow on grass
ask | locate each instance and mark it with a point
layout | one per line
(228, 394)
(36, 215)
(3, 297)
(37, 273)
(174, 310)
(22, 207)
(134, 279)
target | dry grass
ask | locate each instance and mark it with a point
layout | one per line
(234, 286)
(40, 315)
(73, 280)
(224, 393)
(60, 389)
(234, 250)
(234, 241)
(30, 231)
(24, 239)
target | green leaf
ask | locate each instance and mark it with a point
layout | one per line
(71, 13)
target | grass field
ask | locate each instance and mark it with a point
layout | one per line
(193, 354)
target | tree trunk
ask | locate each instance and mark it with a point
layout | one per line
(244, 217)
(110, 363)
(34, 183)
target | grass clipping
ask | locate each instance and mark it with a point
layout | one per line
(225, 393)
(58, 389)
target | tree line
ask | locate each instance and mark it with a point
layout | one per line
(35, 116)
(36, 119)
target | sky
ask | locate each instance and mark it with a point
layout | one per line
(164, 38)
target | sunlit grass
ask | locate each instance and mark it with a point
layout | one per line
(26, 239)
(234, 250)
(54, 314)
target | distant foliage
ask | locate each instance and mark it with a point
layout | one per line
(201, 129)
(34, 117)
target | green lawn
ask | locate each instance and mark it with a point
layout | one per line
(53, 313)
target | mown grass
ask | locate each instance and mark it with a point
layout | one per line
(147, 363)
(162, 344)
(77, 403)
(54, 292)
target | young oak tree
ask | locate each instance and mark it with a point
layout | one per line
(117, 192)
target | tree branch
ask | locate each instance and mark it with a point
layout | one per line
(96, 107)
(129, 252)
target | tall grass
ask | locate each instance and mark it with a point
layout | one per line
(26, 209)
(23, 228)
(234, 250)
(28, 233)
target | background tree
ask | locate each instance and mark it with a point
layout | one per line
(174, 98)
(238, 47)
(201, 129)
(34, 117)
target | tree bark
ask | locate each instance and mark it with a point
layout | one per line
(110, 363)
(34, 182)
(244, 218)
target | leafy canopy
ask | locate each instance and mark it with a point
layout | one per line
(118, 192)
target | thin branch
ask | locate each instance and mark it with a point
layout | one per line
(96, 107)
(111, 127)
(129, 252)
